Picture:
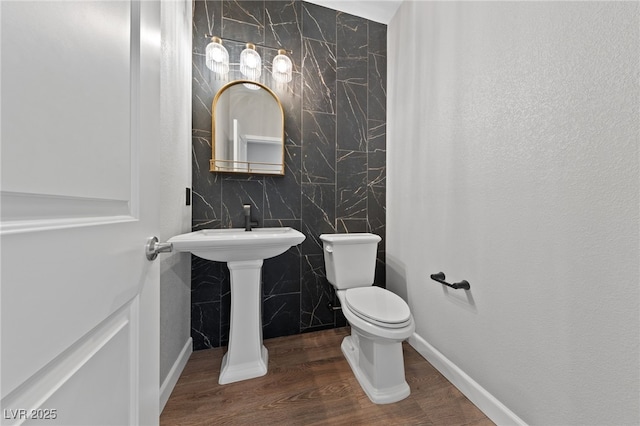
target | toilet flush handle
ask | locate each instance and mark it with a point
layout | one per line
(329, 249)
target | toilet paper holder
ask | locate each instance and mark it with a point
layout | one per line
(440, 277)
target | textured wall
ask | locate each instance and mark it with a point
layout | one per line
(175, 175)
(513, 136)
(335, 124)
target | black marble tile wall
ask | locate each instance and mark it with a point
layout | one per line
(335, 131)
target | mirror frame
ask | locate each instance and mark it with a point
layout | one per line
(212, 162)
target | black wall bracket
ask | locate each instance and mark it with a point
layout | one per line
(333, 307)
(440, 277)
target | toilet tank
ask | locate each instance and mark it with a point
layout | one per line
(350, 259)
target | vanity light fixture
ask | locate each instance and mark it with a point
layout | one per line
(250, 61)
(217, 57)
(282, 67)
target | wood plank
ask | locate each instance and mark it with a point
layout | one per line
(310, 383)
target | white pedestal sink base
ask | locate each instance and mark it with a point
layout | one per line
(230, 373)
(246, 356)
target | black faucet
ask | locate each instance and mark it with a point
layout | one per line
(247, 217)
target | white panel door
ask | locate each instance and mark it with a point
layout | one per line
(79, 300)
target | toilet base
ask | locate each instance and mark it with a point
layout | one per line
(381, 371)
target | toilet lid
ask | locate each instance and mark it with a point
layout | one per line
(378, 305)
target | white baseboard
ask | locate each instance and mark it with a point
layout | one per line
(174, 374)
(479, 396)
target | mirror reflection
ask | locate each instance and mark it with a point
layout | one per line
(247, 130)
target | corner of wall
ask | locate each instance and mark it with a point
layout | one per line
(479, 396)
(175, 165)
(172, 377)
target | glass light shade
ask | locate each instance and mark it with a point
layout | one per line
(282, 67)
(217, 57)
(250, 63)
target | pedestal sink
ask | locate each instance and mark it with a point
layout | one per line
(244, 252)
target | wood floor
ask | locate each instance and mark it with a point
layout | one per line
(310, 383)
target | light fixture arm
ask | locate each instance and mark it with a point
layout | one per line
(290, 52)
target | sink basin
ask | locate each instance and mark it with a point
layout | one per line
(244, 252)
(236, 244)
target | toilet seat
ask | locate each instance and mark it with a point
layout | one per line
(378, 306)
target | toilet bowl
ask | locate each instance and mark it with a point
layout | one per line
(379, 319)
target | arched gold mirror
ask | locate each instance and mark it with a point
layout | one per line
(247, 129)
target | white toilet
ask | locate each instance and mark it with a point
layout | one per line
(380, 320)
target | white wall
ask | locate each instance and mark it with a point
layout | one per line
(513, 163)
(374, 10)
(175, 172)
